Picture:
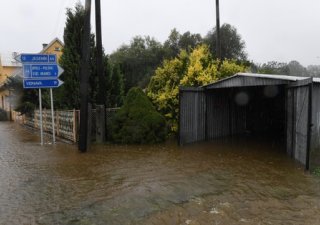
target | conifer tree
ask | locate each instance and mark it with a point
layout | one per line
(68, 95)
(117, 87)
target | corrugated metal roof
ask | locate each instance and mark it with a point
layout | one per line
(8, 59)
(254, 79)
(272, 76)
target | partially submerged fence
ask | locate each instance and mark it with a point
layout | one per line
(67, 123)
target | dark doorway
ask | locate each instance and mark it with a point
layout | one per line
(266, 114)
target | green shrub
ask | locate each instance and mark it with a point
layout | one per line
(137, 122)
(316, 171)
(3, 115)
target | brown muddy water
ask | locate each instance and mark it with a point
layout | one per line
(226, 182)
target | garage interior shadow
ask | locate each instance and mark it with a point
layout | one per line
(263, 118)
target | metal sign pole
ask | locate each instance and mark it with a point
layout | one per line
(40, 111)
(41, 71)
(52, 116)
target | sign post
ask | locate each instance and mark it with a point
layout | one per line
(40, 112)
(52, 118)
(41, 71)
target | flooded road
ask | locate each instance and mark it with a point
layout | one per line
(234, 182)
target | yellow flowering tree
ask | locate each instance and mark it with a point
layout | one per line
(195, 69)
(201, 68)
(163, 88)
(230, 67)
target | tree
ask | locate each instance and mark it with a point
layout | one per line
(68, 95)
(232, 45)
(197, 68)
(177, 42)
(137, 122)
(117, 87)
(314, 70)
(171, 45)
(163, 88)
(296, 69)
(201, 68)
(189, 41)
(25, 101)
(138, 60)
(15, 83)
(273, 67)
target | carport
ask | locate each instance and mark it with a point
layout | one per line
(284, 108)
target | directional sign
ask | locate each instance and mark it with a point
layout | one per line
(42, 71)
(38, 83)
(36, 58)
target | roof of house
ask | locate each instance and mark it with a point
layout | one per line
(254, 79)
(51, 43)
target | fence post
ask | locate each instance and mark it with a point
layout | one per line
(57, 123)
(75, 119)
(35, 118)
(100, 124)
(89, 133)
(44, 118)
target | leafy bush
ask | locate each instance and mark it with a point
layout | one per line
(194, 69)
(3, 115)
(137, 122)
(316, 172)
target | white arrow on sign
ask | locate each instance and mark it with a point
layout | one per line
(58, 83)
(60, 71)
(18, 58)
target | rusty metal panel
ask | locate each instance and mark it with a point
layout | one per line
(191, 116)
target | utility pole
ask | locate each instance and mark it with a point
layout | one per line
(218, 41)
(100, 109)
(100, 69)
(84, 73)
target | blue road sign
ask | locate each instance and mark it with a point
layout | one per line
(37, 58)
(38, 83)
(45, 71)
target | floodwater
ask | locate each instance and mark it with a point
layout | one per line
(226, 182)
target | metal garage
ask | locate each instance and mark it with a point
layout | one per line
(285, 107)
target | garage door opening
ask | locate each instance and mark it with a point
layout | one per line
(274, 107)
(256, 112)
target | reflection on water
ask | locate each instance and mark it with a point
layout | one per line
(231, 182)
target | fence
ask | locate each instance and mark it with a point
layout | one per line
(66, 122)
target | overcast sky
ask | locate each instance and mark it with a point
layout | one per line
(281, 30)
